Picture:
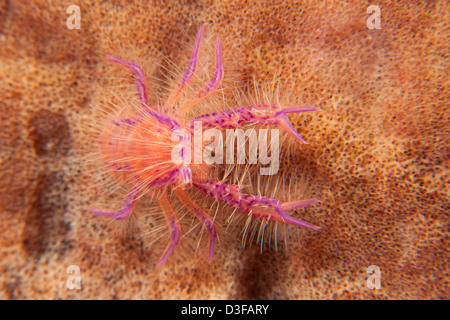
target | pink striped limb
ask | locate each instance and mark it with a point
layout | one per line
(127, 208)
(187, 76)
(257, 206)
(141, 81)
(174, 226)
(264, 114)
(204, 218)
(209, 88)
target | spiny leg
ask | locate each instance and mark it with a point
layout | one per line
(209, 88)
(141, 84)
(127, 208)
(173, 225)
(204, 218)
(187, 76)
(141, 81)
(264, 114)
(258, 206)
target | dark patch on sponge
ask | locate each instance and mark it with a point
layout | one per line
(260, 275)
(50, 133)
(44, 223)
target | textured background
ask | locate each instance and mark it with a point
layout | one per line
(378, 153)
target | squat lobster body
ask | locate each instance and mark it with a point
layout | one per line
(137, 147)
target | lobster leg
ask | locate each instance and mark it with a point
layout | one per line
(204, 218)
(264, 114)
(127, 208)
(187, 76)
(257, 206)
(141, 81)
(174, 226)
(209, 88)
